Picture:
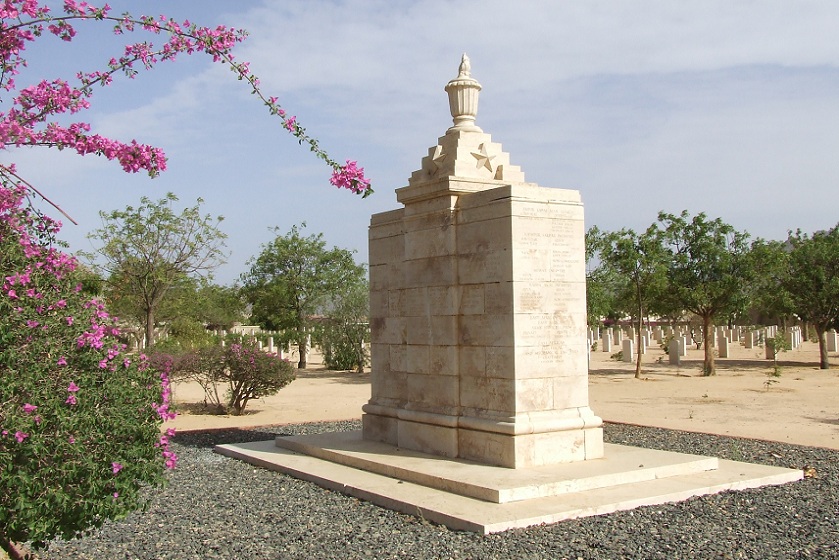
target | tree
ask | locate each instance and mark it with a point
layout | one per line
(79, 421)
(346, 327)
(708, 270)
(600, 281)
(639, 260)
(149, 249)
(813, 281)
(293, 279)
(218, 307)
(769, 296)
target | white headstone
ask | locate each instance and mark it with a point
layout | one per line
(628, 350)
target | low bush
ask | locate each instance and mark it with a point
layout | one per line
(247, 371)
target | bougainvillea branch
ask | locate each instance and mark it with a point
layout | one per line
(30, 119)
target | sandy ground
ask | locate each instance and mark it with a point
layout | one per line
(801, 406)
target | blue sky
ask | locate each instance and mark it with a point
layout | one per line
(731, 108)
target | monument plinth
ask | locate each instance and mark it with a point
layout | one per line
(478, 309)
(479, 416)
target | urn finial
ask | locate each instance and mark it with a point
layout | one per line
(463, 98)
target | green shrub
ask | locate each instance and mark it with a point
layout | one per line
(248, 373)
(252, 373)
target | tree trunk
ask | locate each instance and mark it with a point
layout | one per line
(638, 338)
(149, 328)
(823, 358)
(708, 365)
(14, 550)
(301, 348)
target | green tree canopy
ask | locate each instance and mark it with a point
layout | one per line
(708, 271)
(150, 249)
(293, 279)
(769, 296)
(813, 281)
(638, 260)
(346, 327)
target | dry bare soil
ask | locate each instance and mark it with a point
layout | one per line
(742, 400)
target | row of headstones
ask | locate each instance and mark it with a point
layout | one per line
(271, 348)
(678, 344)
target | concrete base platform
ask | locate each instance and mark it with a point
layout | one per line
(487, 499)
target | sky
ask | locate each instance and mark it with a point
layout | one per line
(728, 108)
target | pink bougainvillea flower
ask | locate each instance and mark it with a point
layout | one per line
(116, 467)
(29, 408)
(70, 400)
(20, 436)
(71, 439)
(73, 387)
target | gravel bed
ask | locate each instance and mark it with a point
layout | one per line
(216, 507)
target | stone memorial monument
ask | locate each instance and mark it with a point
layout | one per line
(479, 415)
(478, 309)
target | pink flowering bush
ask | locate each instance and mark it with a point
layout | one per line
(79, 418)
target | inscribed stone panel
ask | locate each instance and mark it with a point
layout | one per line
(531, 298)
(556, 360)
(535, 329)
(531, 265)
